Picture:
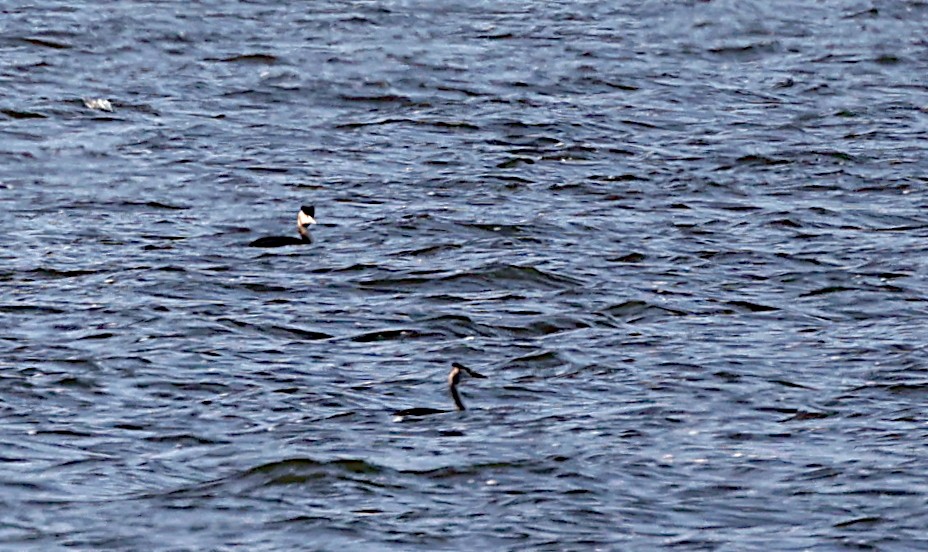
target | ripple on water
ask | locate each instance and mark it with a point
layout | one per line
(684, 241)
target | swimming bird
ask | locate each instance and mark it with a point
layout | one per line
(303, 219)
(454, 378)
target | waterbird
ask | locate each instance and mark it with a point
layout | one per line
(303, 219)
(454, 378)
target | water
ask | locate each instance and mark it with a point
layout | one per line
(684, 240)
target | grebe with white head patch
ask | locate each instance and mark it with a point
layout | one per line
(454, 378)
(303, 220)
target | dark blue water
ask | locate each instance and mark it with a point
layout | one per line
(685, 241)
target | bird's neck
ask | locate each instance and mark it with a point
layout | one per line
(457, 397)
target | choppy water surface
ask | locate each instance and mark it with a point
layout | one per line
(685, 240)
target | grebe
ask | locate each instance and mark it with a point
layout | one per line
(303, 219)
(454, 378)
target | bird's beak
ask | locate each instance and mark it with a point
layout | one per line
(475, 374)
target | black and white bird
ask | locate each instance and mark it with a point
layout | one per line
(304, 219)
(458, 370)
